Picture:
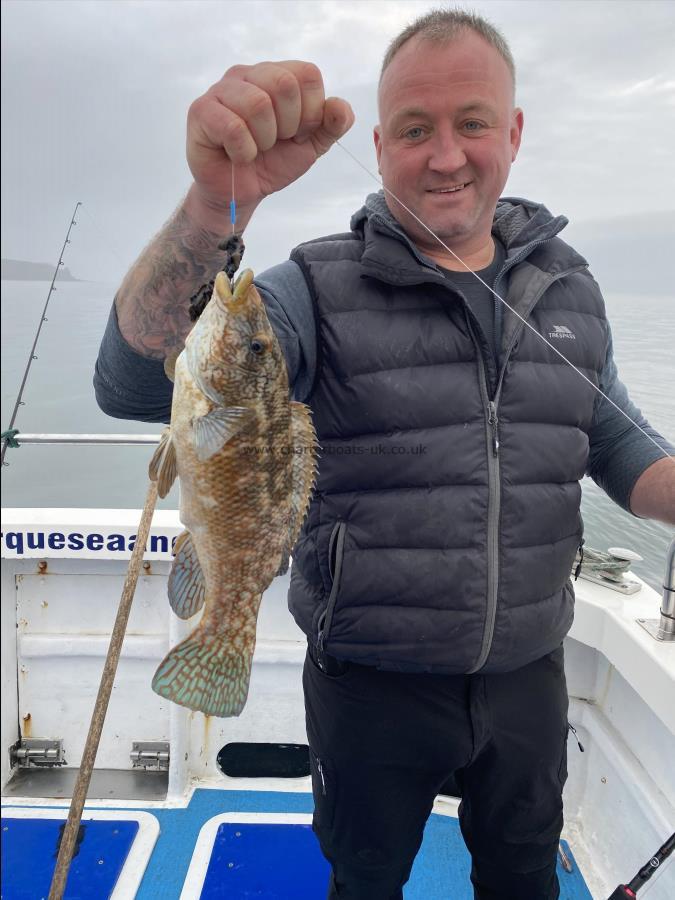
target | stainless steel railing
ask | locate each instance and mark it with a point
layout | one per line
(667, 621)
(662, 629)
(87, 438)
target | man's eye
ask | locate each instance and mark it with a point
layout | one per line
(414, 132)
(473, 125)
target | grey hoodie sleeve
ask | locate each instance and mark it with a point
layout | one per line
(131, 386)
(619, 452)
(291, 313)
(128, 385)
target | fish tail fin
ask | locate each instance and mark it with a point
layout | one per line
(206, 672)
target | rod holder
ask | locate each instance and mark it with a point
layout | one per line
(663, 629)
(668, 602)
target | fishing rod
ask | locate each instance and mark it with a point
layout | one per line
(9, 436)
(629, 891)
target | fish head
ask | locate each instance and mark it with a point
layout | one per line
(232, 351)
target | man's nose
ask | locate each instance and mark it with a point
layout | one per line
(447, 154)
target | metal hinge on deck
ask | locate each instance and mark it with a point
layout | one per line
(38, 753)
(150, 755)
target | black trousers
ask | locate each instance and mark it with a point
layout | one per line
(383, 743)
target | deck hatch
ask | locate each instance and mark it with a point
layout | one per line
(265, 860)
(267, 855)
(112, 852)
(29, 857)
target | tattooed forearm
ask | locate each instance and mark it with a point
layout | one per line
(153, 301)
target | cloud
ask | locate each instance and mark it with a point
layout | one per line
(649, 87)
(95, 96)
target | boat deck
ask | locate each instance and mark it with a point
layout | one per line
(197, 831)
(224, 843)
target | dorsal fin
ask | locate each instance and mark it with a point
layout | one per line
(303, 473)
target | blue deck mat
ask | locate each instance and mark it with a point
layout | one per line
(283, 862)
(265, 860)
(441, 869)
(29, 858)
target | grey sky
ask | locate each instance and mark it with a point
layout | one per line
(95, 94)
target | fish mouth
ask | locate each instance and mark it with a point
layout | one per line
(234, 301)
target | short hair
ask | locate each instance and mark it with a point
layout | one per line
(443, 26)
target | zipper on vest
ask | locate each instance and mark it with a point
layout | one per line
(494, 504)
(494, 474)
(494, 424)
(336, 546)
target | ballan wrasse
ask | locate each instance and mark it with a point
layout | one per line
(245, 457)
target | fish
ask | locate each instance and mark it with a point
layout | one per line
(245, 456)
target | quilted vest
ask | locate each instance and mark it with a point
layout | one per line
(445, 520)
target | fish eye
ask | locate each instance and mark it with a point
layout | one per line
(257, 346)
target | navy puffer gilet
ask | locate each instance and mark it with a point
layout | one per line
(445, 520)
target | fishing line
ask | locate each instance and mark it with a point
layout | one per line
(507, 305)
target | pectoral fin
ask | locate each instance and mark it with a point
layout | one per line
(162, 468)
(215, 429)
(186, 581)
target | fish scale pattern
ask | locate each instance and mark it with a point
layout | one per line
(243, 505)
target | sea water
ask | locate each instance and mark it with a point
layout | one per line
(59, 398)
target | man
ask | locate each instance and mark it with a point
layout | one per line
(432, 573)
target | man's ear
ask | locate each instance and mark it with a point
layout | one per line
(516, 132)
(377, 138)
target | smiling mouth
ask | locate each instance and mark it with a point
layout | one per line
(453, 189)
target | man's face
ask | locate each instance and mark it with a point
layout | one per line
(447, 136)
